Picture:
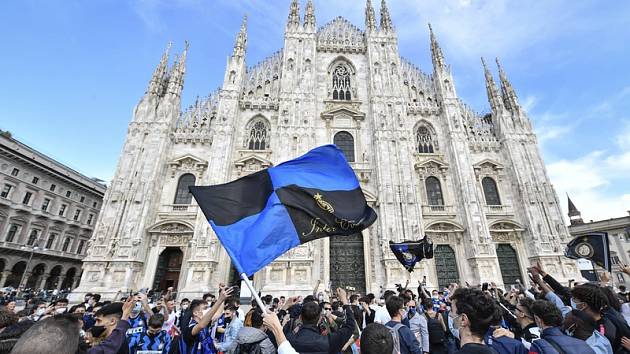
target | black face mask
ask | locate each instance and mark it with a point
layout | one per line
(97, 331)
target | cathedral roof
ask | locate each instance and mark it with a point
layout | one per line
(339, 35)
(262, 80)
(414, 77)
(199, 114)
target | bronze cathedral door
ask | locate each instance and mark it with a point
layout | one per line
(347, 262)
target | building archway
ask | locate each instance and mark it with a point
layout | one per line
(13, 280)
(36, 275)
(508, 262)
(68, 280)
(168, 269)
(445, 265)
(53, 279)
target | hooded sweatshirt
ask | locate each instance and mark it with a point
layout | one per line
(248, 335)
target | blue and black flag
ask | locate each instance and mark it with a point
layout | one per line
(409, 253)
(259, 217)
(593, 247)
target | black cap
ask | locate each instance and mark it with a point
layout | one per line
(115, 308)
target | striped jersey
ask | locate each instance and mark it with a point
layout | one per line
(203, 343)
(143, 343)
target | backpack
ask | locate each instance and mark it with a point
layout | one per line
(396, 336)
(437, 335)
(249, 348)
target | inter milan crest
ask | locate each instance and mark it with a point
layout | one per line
(593, 247)
(584, 250)
(409, 253)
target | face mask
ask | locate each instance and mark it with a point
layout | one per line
(185, 307)
(60, 310)
(97, 331)
(412, 312)
(40, 312)
(570, 331)
(575, 306)
(204, 312)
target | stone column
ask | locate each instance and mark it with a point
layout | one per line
(61, 279)
(76, 281)
(42, 283)
(3, 277)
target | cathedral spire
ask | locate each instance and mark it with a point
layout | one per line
(575, 217)
(493, 93)
(155, 85)
(386, 20)
(294, 15)
(370, 18)
(309, 15)
(436, 51)
(178, 70)
(240, 46)
(509, 95)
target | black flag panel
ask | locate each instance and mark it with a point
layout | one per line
(593, 247)
(409, 253)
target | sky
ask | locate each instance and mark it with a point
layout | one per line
(73, 70)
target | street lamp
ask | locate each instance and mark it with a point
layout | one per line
(34, 248)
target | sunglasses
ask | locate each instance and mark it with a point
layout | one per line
(328, 308)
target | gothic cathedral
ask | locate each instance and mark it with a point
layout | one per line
(429, 165)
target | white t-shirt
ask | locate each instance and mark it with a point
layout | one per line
(382, 316)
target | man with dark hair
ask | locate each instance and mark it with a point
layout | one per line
(525, 319)
(153, 338)
(376, 339)
(472, 312)
(199, 335)
(58, 334)
(231, 331)
(308, 339)
(61, 306)
(549, 319)
(249, 338)
(382, 316)
(356, 309)
(404, 340)
(111, 324)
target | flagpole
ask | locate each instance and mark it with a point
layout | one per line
(254, 292)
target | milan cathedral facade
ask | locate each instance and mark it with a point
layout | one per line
(427, 163)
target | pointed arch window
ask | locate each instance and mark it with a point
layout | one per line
(425, 140)
(434, 191)
(490, 191)
(345, 142)
(341, 83)
(258, 138)
(183, 196)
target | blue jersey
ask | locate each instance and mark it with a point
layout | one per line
(203, 343)
(145, 343)
(137, 325)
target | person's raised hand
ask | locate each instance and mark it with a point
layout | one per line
(341, 295)
(290, 302)
(224, 293)
(625, 342)
(127, 307)
(605, 278)
(502, 332)
(272, 322)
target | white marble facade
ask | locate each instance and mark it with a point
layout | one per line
(410, 132)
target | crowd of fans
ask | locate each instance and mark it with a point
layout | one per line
(546, 317)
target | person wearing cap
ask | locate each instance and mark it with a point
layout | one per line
(111, 324)
(231, 331)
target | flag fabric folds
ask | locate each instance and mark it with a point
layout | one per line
(259, 217)
(409, 253)
(593, 247)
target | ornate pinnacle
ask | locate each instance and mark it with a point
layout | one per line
(370, 18)
(436, 51)
(309, 14)
(493, 93)
(294, 14)
(386, 20)
(509, 95)
(240, 46)
(155, 85)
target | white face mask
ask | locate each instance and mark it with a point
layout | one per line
(60, 310)
(205, 311)
(40, 311)
(184, 307)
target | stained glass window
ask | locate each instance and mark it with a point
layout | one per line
(345, 142)
(183, 196)
(490, 191)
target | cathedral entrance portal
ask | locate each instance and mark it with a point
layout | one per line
(347, 267)
(508, 262)
(168, 269)
(445, 265)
